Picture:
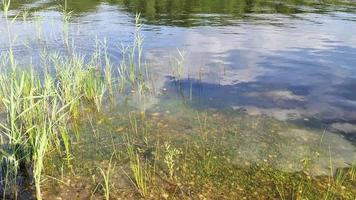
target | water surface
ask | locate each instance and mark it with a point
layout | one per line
(293, 61)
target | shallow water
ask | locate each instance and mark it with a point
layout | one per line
(283, 74)
(279, 59)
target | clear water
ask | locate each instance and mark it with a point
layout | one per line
(287, 60)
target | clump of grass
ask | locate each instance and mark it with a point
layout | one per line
(178, 66)
(170, 158)
(40, 148)
(94, 88)
(352, 170)
(139, 170)
(6, 7)
(9, 165)
(106, 176)
(131, 70)
(66, 16)
(340, 177)
(39, 106)
(29, 119)
(69, 74)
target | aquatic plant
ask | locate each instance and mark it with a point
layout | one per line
(178, 65)
(37, 108)
(170, 158)
(108, 70)
(131, 70)
(9, 166)
(5, 7)
(70, 74)
(94, 88)
(340, 177)
(139, 171)
(66, 16)
(40, 145)
(353, 172)
(26, 126)
(106, 176)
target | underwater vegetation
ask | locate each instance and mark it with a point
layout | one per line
(68, 132)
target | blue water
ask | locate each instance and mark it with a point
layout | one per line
(291, 62)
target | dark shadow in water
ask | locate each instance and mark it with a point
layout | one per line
(204, 95)
(189, 13)
(310, 87)
(269, 98)
(347, 89)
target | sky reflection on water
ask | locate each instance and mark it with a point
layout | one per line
(286, 60)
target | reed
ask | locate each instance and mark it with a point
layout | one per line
(5, 7)
(106, 176)
(138, 170)
(36, 120)
(66, 16)
(108, 69)
(40, 146)
(94, 88)
(39, 107)
(131, 71)
(9, 166)
(353, 170)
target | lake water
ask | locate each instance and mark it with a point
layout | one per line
(289, 61)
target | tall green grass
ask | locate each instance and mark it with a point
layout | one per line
(106, 176)
(36, 119)
(40, 108)
(139, 170)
